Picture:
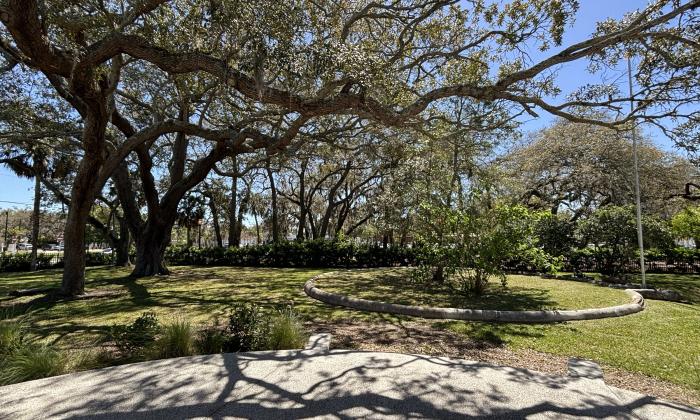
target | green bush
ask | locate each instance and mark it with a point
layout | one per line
(23, 261)
(177, 340)
(99, 258)
(465, 248)
(285, 332)
(31, 362)
(134, 339)
(210, 340)
(247, 329)
(613, 229)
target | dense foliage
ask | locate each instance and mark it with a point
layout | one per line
(318, 253)
(22, 261)
(470, 246)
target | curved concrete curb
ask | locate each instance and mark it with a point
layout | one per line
(535, 317)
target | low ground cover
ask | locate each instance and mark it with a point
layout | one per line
(660, 342)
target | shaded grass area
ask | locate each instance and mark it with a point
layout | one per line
(687, 285)
(661, 341)
(522, 292)
(200, 294)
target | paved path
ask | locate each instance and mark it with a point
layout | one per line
(338, 384)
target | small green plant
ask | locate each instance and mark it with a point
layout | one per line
(246, 330)
(12, 335)
(31, 362)
(286, 332)
(177, 339)
(211, 340)
(132, 340)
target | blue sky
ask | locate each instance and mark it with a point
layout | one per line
(17, 190)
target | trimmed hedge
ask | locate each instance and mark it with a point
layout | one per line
(317, 253)
(23, 262)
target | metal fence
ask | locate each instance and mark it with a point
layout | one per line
(685, 266)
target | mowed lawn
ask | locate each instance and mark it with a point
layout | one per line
(662, 341)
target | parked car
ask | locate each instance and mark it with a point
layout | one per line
(107, 251)
(24, 247)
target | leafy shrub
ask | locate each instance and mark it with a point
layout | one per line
(555, 233)
(211, 340)
(614, 230)
(247, 329)
(23, 261)
(132, 340)
(177, 339)
(99, 258)
(686, 224)
(465, 248)
(31, 362)
(286, 332)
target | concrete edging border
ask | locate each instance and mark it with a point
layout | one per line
(533, 317)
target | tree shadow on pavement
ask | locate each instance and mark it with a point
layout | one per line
(294, 384)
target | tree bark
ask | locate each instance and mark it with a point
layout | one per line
(82, 196)
(150, 249)
(273, 197)
(85, 188)
(121, 246)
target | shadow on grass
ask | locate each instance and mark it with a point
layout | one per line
(396, 286)
(688, 285)
(495, 334)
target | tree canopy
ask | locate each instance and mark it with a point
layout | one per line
(372, 106)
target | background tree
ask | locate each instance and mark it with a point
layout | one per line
(686, 224)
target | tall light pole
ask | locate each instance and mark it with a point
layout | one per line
(640, 233)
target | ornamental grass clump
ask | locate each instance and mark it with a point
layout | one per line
(177, 339)
(31, 361)
(286, 331)
(12, 336)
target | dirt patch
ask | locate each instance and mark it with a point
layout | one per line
(414, 337)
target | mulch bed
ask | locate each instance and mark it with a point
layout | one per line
(421, 338)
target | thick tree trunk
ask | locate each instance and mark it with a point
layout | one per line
(73, 282)
(35, 218)
(150, 250)
(326, 220)
(121, 246)
(82, 197)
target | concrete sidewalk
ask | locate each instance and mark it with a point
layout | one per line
(338, 384)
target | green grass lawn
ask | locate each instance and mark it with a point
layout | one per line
(661, 341)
